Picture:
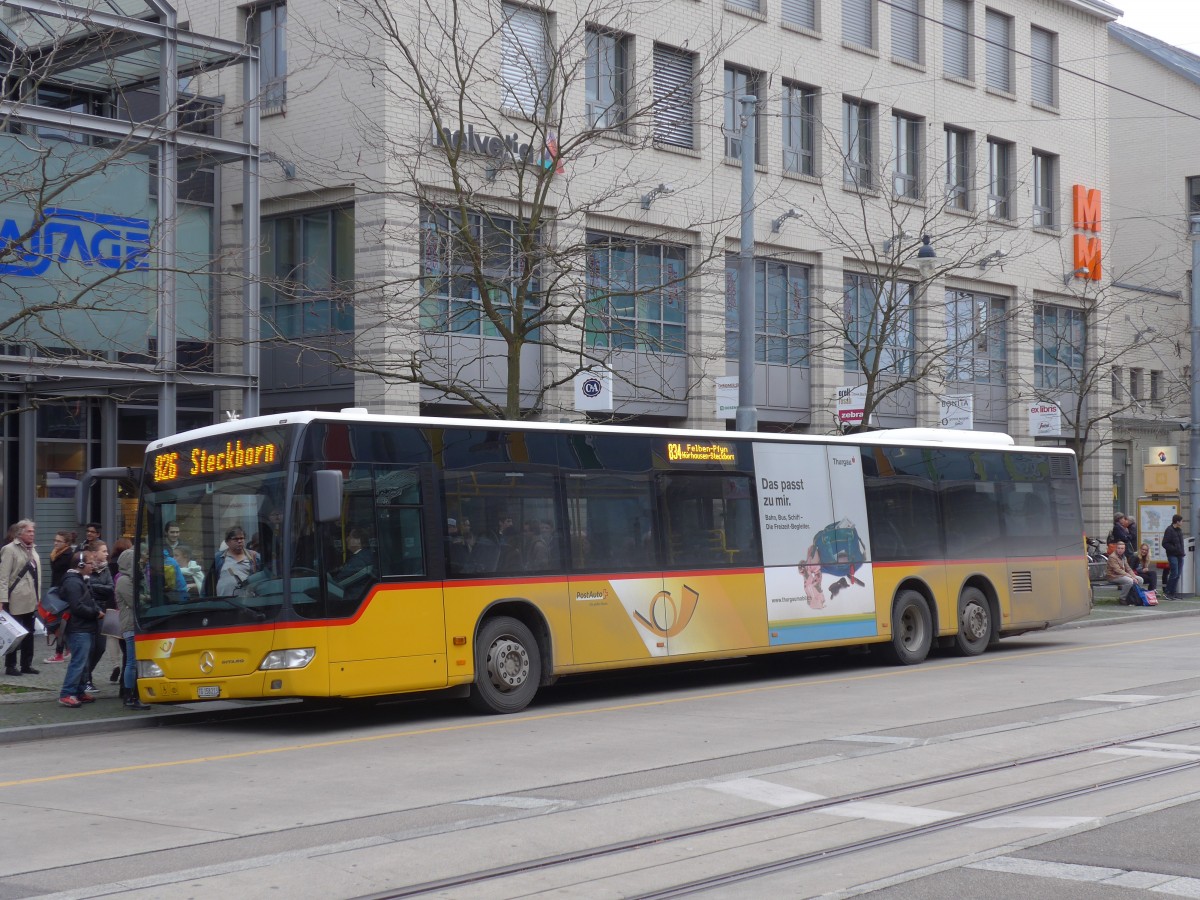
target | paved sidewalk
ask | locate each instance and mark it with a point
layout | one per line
(29, 707)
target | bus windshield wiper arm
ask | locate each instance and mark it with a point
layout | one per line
(238, 604)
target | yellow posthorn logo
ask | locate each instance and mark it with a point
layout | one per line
(666, 619)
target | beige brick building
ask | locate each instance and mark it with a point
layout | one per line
(969, 121)
(1155, 114)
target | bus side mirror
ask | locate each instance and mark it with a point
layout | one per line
(327, 495)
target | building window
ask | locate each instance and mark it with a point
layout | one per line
(1156, 394)
(858, 22)
(1117, 384)
(1043, 47)
(1045, 190)
(956, 38)
(906, 31)
(977, 332)
(858, 144)
(800, 12)
(1137, 384)
(525, 60)
(999, 53)
(1058, 347)
(799, 129)
(1193, 204)
(739, 83)
(637, 295)
(906, 175)
(880, 325)
(959, 155)
(781, 310)
(266, 26)
(607, 77)
(457, 294)
(748, 5)
(673, 113)
(1000, 167)
(308, 273)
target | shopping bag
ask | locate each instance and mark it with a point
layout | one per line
(12, 633)
(1152, 598)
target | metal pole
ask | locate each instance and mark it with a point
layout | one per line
(746, 418)
(1194, 427)
(168, 223)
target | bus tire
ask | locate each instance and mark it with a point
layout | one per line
(508, 666)
(912, 630)
(974, 623)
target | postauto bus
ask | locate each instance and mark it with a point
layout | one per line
(391, 555)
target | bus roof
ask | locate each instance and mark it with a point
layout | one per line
(980, 440)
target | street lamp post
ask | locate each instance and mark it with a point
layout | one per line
(746, 418)
(1194, 425)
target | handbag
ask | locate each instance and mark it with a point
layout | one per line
(110, 625)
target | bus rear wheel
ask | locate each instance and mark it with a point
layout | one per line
(974, 623)
(912, 630)
(508, 666)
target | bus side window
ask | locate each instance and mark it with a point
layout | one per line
(611, 522)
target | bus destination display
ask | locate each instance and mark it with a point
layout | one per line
(232, 456)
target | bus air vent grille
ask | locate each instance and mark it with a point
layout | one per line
(1022, 582)
(1062, 466)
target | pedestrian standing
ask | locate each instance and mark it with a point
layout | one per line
(61, 556)
(82, 628)
(20, 588)
(1173, 546)
(129, 691)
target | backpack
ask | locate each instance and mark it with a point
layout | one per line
(51, 607)
(839, 548)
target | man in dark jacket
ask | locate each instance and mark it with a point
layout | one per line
(1123, 532)
(1172, 543)
(81, 629)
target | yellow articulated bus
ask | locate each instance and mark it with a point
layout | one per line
(351, 555)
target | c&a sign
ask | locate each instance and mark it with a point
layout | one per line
(1085, 203)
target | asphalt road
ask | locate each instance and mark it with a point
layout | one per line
(1063, 764)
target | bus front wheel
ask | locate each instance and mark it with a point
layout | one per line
(508, 666)
(974, 623)
(912, 629)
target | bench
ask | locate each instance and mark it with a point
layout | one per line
(1106, 591)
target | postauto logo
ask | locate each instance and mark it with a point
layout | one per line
(93, 239)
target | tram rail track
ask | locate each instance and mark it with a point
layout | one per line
(808, 858)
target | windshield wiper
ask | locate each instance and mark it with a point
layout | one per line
(193, 606)
(238, 604)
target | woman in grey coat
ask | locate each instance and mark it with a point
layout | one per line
(124, 590)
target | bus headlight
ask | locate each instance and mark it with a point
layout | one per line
(288, 659)
(148, 668)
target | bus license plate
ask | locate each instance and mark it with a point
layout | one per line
(208, 692)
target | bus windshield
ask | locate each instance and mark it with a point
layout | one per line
(214, 552)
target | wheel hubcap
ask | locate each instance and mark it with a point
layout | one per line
(508, 664)
(974, 622)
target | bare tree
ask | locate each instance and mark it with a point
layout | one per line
(491, 134)
(901, 229)
(1100, 359)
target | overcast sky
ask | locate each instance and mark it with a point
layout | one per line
(1174, 21)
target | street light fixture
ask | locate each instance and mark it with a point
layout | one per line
(926, 258)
